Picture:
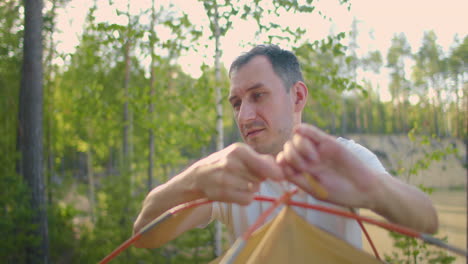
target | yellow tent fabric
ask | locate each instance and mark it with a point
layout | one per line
(290, 239)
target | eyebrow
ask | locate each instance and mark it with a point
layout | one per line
(253, 87)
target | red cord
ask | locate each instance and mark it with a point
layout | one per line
(386, 225)
(191, 205)
(137, 236)
(374, 249)
(121, 248)
(277, 202)
(285, 199)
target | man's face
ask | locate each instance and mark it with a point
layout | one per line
(262, 107)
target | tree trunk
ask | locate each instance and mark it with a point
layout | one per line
(358, 118)
(435, 117)
(152, 94)
(219, 117)
(368, 116)
(394, 115)
(50, 104)
(126, 110)
(457, 108)
(30, 128)
(464, 129)
(344, 117)
(383, 118)
(127, 130)
(333, 122)
(91, 191)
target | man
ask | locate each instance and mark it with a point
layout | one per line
(268, 96)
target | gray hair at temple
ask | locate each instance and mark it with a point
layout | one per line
(284, 62)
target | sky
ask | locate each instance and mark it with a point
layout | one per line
(378, 22)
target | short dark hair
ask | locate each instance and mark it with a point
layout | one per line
(284, 63)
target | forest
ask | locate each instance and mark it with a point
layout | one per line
(85, 135)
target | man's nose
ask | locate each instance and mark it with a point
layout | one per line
(246, 113)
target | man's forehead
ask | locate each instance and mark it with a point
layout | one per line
(235, 91)
(249, 75)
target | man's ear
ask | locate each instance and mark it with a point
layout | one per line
(300, 91)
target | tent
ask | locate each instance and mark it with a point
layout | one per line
(290, 239)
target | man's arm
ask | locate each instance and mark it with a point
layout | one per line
(231, 175)
(404, 204)
(164, 197)
(351, 183)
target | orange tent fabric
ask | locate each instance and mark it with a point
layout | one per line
(290, 239)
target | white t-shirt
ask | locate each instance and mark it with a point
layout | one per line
(238, 218)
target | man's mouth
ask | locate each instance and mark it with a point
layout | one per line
(253, 132)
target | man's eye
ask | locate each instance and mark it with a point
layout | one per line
(257, 96)
(236, 105)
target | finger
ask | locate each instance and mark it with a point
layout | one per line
(270, 168)
(290, 172)
(300, 181)
(253, 187)
(239, 197)
(317, 188)
(293, 157)
(227, 188)
(261, 166)
(247, 186)
(305, 148)
(310, 185)
(312, 132)
(228, 181)
(238, 171)
(280, 158)
(287, 170)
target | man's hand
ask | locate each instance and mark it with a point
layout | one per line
(231, 175)
(348, 181)
(234, 174)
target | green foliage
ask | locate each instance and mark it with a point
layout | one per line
(325, 68)
(411, 250)
(459, 57)
(195, 246)
(15, 222)
(61, 232)
(322, 68)
(114, 221)
(428, 157)
(257, 10)
(116, 212)
(373, 61)
(220, 13)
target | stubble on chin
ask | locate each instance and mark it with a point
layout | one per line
(270, 148)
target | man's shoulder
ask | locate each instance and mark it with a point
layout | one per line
(354, 147)
(363, 153)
